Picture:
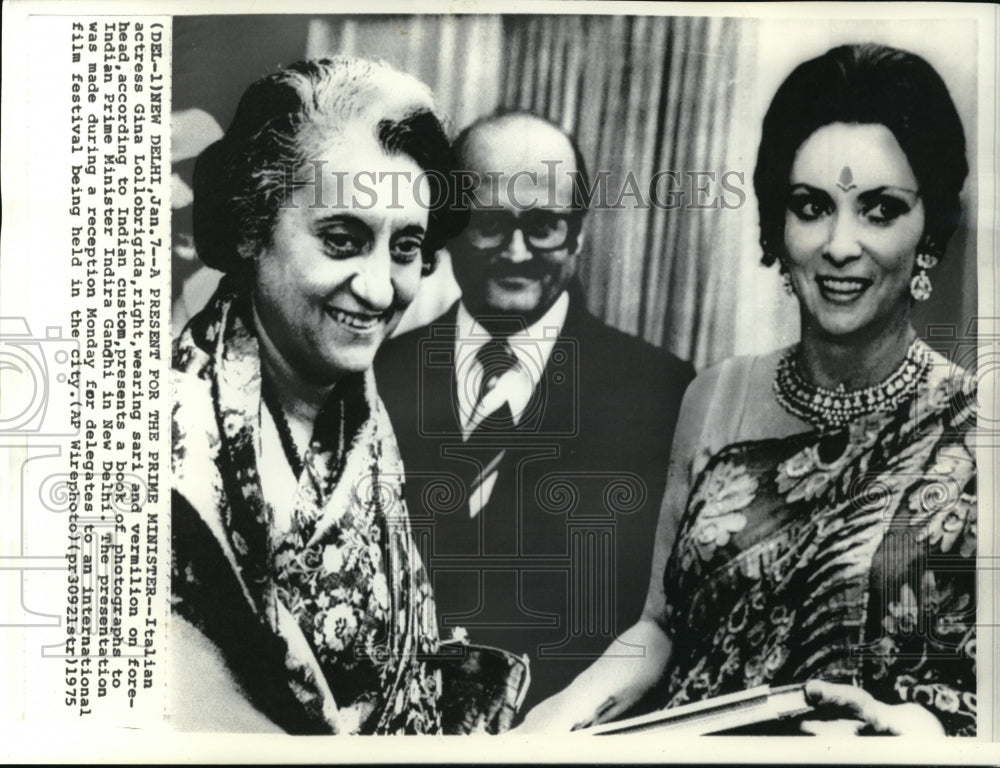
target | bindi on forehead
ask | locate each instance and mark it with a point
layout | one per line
(840, 155)
(846, 179)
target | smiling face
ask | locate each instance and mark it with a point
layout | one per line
(517, 257)
(336, 278)
(852, 227)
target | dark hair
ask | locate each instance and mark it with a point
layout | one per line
(581, 179)
(865, 84)
(283, 121)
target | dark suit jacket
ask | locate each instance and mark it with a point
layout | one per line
(557, 563)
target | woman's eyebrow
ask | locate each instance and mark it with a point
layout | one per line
(330, 219)
(801, 186)
(334, 218)
(888, 188)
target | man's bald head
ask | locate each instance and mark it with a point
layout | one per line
(521, 141)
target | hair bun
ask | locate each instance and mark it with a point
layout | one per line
(214, 222)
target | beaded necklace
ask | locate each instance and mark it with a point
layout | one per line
(291, 450)
(834, 408)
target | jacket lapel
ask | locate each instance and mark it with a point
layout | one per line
(436, 378)
(560, 387)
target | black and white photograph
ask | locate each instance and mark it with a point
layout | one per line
(553, 373)
(483, 444)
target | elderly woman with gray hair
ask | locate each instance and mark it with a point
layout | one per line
(299, 600)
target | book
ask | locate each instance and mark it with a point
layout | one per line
(736, 713)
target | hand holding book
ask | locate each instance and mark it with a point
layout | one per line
(870, 716)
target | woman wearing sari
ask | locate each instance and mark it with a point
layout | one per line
(819, 525)
(299, 599)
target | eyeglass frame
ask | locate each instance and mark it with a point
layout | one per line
(573, 218)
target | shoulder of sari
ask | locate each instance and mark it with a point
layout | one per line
(197, 480)
(198, 342)
(942, 504)
(195, 436)
(195, 419)
(949, 393)
(195, 445)
(925, 572)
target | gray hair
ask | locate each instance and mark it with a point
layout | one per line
(288, 118)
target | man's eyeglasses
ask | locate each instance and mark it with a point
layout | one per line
(542, 230)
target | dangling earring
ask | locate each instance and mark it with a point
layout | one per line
(920, 285)
(786, 280)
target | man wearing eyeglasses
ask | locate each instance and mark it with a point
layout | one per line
(535, 438)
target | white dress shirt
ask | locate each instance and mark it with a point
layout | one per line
(532, 348)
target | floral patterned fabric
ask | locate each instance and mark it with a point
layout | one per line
(846, 555)
(325, 625)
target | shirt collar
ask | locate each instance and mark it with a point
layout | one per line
(532, 345)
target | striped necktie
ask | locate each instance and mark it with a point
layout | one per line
(495, 358)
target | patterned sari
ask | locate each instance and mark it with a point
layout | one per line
(847, 555)
(326, 626)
